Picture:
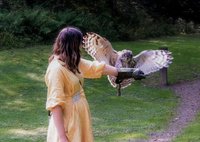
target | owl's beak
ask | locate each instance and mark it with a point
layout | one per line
(129, 59)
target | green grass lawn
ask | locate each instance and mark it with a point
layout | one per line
(140, 110)
(191, 133)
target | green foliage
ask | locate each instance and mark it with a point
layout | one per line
(7, 40)
(34, 24)
(26, 23)
(184, 27)
(13, 4)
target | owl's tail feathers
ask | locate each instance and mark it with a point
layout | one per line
(125, 83)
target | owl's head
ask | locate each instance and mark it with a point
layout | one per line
(125, 59)
(126, 55)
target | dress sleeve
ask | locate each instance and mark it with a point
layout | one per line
(91, 69)
(55, 85)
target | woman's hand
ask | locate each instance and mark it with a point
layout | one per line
(63, 139)
(57, 114)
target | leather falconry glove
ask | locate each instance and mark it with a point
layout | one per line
(125, 73)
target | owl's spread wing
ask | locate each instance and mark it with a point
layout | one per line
(150, 61)
(99, 48)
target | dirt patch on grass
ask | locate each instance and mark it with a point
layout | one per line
(189, 94)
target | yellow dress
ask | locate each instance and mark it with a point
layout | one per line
(65, 89)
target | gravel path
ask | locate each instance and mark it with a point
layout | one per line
(189, 94)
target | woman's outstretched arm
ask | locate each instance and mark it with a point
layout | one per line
(110, 70)
(123, 73)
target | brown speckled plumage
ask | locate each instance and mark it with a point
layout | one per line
(148, 61)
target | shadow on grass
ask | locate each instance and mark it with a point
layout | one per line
(22, 98)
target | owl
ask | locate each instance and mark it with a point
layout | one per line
(148, 61)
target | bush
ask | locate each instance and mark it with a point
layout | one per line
(40, 25)
(34, 24)
(147, 27)
(184, 27)
(8, 40)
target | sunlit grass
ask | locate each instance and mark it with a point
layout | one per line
(22, 95)
(140, 110)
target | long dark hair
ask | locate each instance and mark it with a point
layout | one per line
(67, 47)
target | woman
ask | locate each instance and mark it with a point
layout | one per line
(70, 120)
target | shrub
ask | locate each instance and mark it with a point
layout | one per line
(184, 27)
(39, 25)
(8, 40)
(34, 24)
